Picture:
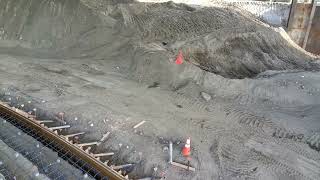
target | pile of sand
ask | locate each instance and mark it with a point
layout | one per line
(219, 40)
(97, 58)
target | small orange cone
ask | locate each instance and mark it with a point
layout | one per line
(179, 59)
(186, 151)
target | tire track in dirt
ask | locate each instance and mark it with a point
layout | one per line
(230, 157)
(248, 119)
(157, 23)
(314, 141)
(286, 161)
(261, 126)
(188, 103)
(243, 158)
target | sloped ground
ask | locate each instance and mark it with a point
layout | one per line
(110, 65)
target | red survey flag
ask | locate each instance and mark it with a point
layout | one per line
(179, 59)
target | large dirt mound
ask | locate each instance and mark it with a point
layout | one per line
(111, 64)
(219, 40)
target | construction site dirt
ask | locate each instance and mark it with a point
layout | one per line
(246, 95)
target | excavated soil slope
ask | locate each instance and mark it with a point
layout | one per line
(110, 64)
(218, 40)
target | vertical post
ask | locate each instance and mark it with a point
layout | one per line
(170, 153)
(35, 112)
(306, 37)
(291, 12)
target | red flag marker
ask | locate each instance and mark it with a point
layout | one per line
(179, 59)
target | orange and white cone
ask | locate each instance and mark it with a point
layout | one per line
(186, 151)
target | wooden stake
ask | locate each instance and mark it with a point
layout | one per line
(87, 144)
(60, 127)
(88, 150)
(103, 154)
(139, 124)
(44, 121)
(104, 137)
(183, 166)
(72, 135)
(121, 166)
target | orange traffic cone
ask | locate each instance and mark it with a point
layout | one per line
(186, 151)
(179, 59)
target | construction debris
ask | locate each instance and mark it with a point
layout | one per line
(139, 124)
(59, 127)
(73, 135)
(121, 166)
(205, 96)
(44, 121)
(103, 154)
(87, 144)
(183, 166)
(104, 137)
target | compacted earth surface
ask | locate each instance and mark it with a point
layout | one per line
(248, 98)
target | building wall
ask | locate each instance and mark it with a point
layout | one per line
(313, 44)
(298, 24)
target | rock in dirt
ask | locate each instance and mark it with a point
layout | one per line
(165, 149)
(205, 96)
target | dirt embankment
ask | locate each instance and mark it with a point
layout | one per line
(103, 61)
(219, 40)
